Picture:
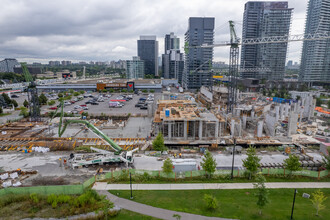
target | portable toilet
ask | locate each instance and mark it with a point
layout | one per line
(167, 113)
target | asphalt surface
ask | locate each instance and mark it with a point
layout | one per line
(103, 107)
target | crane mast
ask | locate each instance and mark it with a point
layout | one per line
(233, 67)
(32, 92)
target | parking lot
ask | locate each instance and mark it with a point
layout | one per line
(103, 107)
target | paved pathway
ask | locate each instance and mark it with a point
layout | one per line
(189, 186)
(152, 211)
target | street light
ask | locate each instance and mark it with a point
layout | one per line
(232, 165)
(294, 199)
(130, 181)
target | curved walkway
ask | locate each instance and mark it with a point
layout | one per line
(152, 211)
(192, 186)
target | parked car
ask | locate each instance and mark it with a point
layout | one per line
(138, 105)
(14, 96)
(94, 103)
(85, 108)
(144, 107)
(53, 108)
(77, 107)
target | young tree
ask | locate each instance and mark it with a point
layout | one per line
(76, 93)
(326, 161)
(6, 98)
(26, 103)
(167, 166)
(317, 199)
(292, 163)
(43, 99)
(51, 102)
(60, 95)
(24, 112)
(81, 91)
(1, 110)
(209, 163)
(14, 103)
(210, 201)
(251, 163)
(158, 143)
(262, 192)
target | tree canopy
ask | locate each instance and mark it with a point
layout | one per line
(209, 164)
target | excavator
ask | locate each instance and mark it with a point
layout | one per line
(102, 157)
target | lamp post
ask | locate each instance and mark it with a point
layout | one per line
(294, 199)
(232, 165)
(130, 181)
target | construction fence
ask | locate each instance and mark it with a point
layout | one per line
(47, 190)
(124, 174)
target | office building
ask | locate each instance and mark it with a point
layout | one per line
(135, 68)
(172, 59)
(198, 61)
(172, 42)
(265, 19)
(7, 65)
(315, 58)
(148, 52)
(54, 63)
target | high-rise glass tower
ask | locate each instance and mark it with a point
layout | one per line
(315, 57)
(135, 68)
(198, 61)
(172, 59)
(148, 52)
(265, 19)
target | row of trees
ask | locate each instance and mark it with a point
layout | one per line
(5, 101)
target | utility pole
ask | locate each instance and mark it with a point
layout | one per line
(232, 165)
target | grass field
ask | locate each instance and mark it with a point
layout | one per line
(238, 204)
(125, 214)
(271, 178)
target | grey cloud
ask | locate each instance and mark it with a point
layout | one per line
(108, 29)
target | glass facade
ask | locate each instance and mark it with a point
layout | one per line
(315, 58)
(198, 61)
(148, 52)
(135, 68)
(265, 19)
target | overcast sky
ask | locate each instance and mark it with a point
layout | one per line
(105, 30)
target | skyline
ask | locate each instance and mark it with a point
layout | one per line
(108, 30)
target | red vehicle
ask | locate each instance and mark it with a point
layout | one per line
(72, 102)
(83, 105)
(53, 108)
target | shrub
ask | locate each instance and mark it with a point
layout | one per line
(51, 198)
(34, 198)
(210, 201)
(51, 102)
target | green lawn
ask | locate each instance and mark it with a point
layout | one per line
(270, 178)
(125, 214)
(238, 204)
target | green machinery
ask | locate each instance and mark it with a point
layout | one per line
(32, 91)
(104, 157)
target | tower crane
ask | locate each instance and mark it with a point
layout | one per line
(234, 44)
(32, 92)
